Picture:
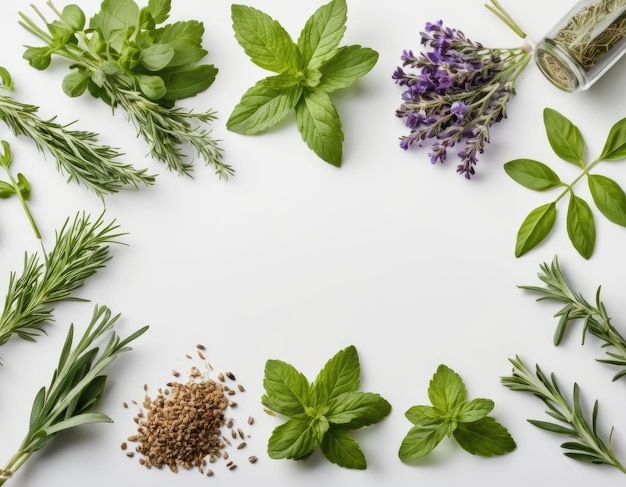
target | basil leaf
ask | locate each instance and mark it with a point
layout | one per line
(322, 33)
(485, 437)
(287, 390)
(564, 137)
(580, 226)
(156, 57)
(339, 447)
(615, 146)
(347, 65)
(293, 439)
(473, 410)
(422, 439)
(609, 197)
(188, 82)
(532, 174)
(320, 126)
(356, 409)
(262, 107)
(264, 40)
(446, 390)
(535, 228)
(340, 375)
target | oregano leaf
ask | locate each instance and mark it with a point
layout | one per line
(565, 139)
(615, 145)
(532, 174)
(581, 227)
(535, 228)
(609, 197)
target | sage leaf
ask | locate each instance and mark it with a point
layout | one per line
(565, 139)
(615, 146)
(347, 65)
(535, 228)
(471, 437)
(340, 448)
(581, 227)
(320, 126)
(609, 197)
(532, 174)
(322, 33)
(74, 421)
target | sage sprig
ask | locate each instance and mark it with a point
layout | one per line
(80, 250)
(595, 318)
(567, 143)
(76, 387)
(588, 445)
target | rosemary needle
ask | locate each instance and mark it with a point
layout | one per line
(81, 249)
(76, 386)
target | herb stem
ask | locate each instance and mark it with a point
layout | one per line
(505, 17)
(20, 196)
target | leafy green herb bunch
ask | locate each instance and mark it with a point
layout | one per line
(124, 56)
(307, 72)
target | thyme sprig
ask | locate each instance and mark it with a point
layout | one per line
(81, 249)
(596, 320)
(77, 152)
(588, 446)
(76, 387)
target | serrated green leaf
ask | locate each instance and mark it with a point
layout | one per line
(615, 145)
(535, 228)
(485, 437)
(294, 439)
(347, 65)
(115, 15)
(287, 390)
(446, 390)
(581, 227)
(340, 375)
(340, 448)
(356, 409)
(532, 174)
(416, 414)
(160, 10)
(264, 40)
(188, 81)
(185, 37)
(609, 197)
(156, 57)
(473, 410)
(320, 126)
(322, 33)
(262, 107)
(422, 439)
(565, 139)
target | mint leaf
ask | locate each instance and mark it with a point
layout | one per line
(532, 174)
(535, 228)
(615, 145)
(322, 33)
(294, 439)
(473, 410)
(262, 107)
(356, 409)
(564, 137)
(609, 197)
(485, 437)
(320, 126)
(446, 390)
(287, 390)
(422, 439)
(264, 40)
(340, 375)
(347, 65)
(340, 448)
(581, 227)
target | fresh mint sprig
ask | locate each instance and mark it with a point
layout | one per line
(567, 143)
(451, 414)
(595, 318)
(307, 71)
(588, 445)
(321, 413)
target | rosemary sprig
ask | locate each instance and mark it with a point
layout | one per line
(81, 248)
(77, 153)
(76, 386)
(596, 320)
(588, 446)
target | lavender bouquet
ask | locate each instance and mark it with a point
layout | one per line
(456, 90)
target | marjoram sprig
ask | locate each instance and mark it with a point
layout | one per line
(588, 446)
(595, 318)
(81, 249)
(76, 387)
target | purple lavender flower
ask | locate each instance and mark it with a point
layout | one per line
(454, 92)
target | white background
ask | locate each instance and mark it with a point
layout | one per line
(294, 259)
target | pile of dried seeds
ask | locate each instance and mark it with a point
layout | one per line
(185, 425)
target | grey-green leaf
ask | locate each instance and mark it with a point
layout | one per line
(532, 174)
(347, 65)
(535, 228)
(581, 227)
(615, 146)
(565, 139)
(609, 197)
(322, 33)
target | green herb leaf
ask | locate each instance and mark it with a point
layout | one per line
(581, 227)
(535, 228)
(532, 174)
(340, 448)
(115, 16)
(264, 40)
(615, 146)
(156, 57)
(320, 126)
(185, 38)
(287, 390)
(484, 437)
(188, 81)
(609, 197)
(340, 375)
(295, 439)
(473, 410)
(322, 33)
(564, 137)
(446, 390)
(356, 409)
(422, 439)
(348, 64)
(159, 10)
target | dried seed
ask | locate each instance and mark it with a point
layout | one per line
(241, 435)
(220, 377)
(199, 346)
(240, 387)
(227, 441)
(230, 375)
(250, 420)
(232, 467)
(175, 373)
(252, 459)
(209, 473)
(124, 445)
(145, 387)
(241, 445)
(125, 405)
(201, 355)
(130, 454)
(226, 457)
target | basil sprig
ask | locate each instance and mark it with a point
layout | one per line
(609, 198)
